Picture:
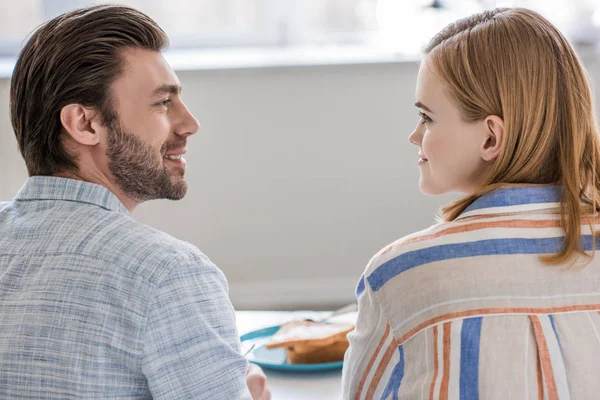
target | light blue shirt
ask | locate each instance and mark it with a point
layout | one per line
(96, 305)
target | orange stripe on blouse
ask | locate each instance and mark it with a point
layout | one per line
(387, 249)
(540, 380)
(446, 372)
(495, 311)
(435, 362)
(371, 362)
(512, 223)
(385, 360)
(544, 356)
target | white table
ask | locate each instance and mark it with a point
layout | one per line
(294, 385)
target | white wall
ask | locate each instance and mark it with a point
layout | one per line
(297, 177)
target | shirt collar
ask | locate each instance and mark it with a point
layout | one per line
(516, 199)
(55, 188)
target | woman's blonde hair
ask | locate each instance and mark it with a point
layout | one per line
(515, 64)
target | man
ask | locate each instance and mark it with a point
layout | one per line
(93, 304)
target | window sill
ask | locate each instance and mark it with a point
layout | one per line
(267, 57)
(278, 57)
(274, 57)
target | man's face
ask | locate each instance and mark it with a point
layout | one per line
(148, 129)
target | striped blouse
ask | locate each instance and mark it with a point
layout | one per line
(466, 310)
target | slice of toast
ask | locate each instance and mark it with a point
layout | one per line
(308, 342)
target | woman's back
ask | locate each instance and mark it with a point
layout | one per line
(467, 310)
(501, 299)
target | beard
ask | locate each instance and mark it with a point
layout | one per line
(138, 171)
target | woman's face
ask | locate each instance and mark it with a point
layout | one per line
(450, 148)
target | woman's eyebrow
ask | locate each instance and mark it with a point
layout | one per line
(423, 106)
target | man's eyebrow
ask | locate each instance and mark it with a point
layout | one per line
(167, 89)
(423, 106)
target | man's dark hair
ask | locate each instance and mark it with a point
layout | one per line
(73, 58)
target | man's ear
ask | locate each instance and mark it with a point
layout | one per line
(494, 138)
(81, 124)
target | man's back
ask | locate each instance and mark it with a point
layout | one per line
(96, 305)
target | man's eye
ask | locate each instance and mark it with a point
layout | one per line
(164, 102)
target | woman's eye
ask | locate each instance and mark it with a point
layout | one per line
(424, 118)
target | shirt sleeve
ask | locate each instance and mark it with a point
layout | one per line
(374, 355)
(192, 348)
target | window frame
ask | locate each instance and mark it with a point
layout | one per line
(279, 28)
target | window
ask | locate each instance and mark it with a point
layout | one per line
(402, 26)
(17, 19)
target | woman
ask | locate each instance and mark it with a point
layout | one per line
(500, 298)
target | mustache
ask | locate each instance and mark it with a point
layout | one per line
(175, 143)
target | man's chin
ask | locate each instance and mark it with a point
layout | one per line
(174, 190)
(178, 190)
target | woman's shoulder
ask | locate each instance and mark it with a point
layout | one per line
(444, 242)
(436, 234)
(465, 235)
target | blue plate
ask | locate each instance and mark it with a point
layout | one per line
(275, 358)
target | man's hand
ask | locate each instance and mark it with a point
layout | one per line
(257, 383)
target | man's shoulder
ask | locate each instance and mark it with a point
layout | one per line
(147, 250)
(120, 240)
(110, 236)
(4, 204)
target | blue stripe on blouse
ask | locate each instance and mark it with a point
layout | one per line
(393, 385)
(554, 329)
(469, 358)
(412, 259)
(516, 196)
(361, 286)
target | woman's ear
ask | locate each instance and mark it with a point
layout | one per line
(494, 138)
(78, 122)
